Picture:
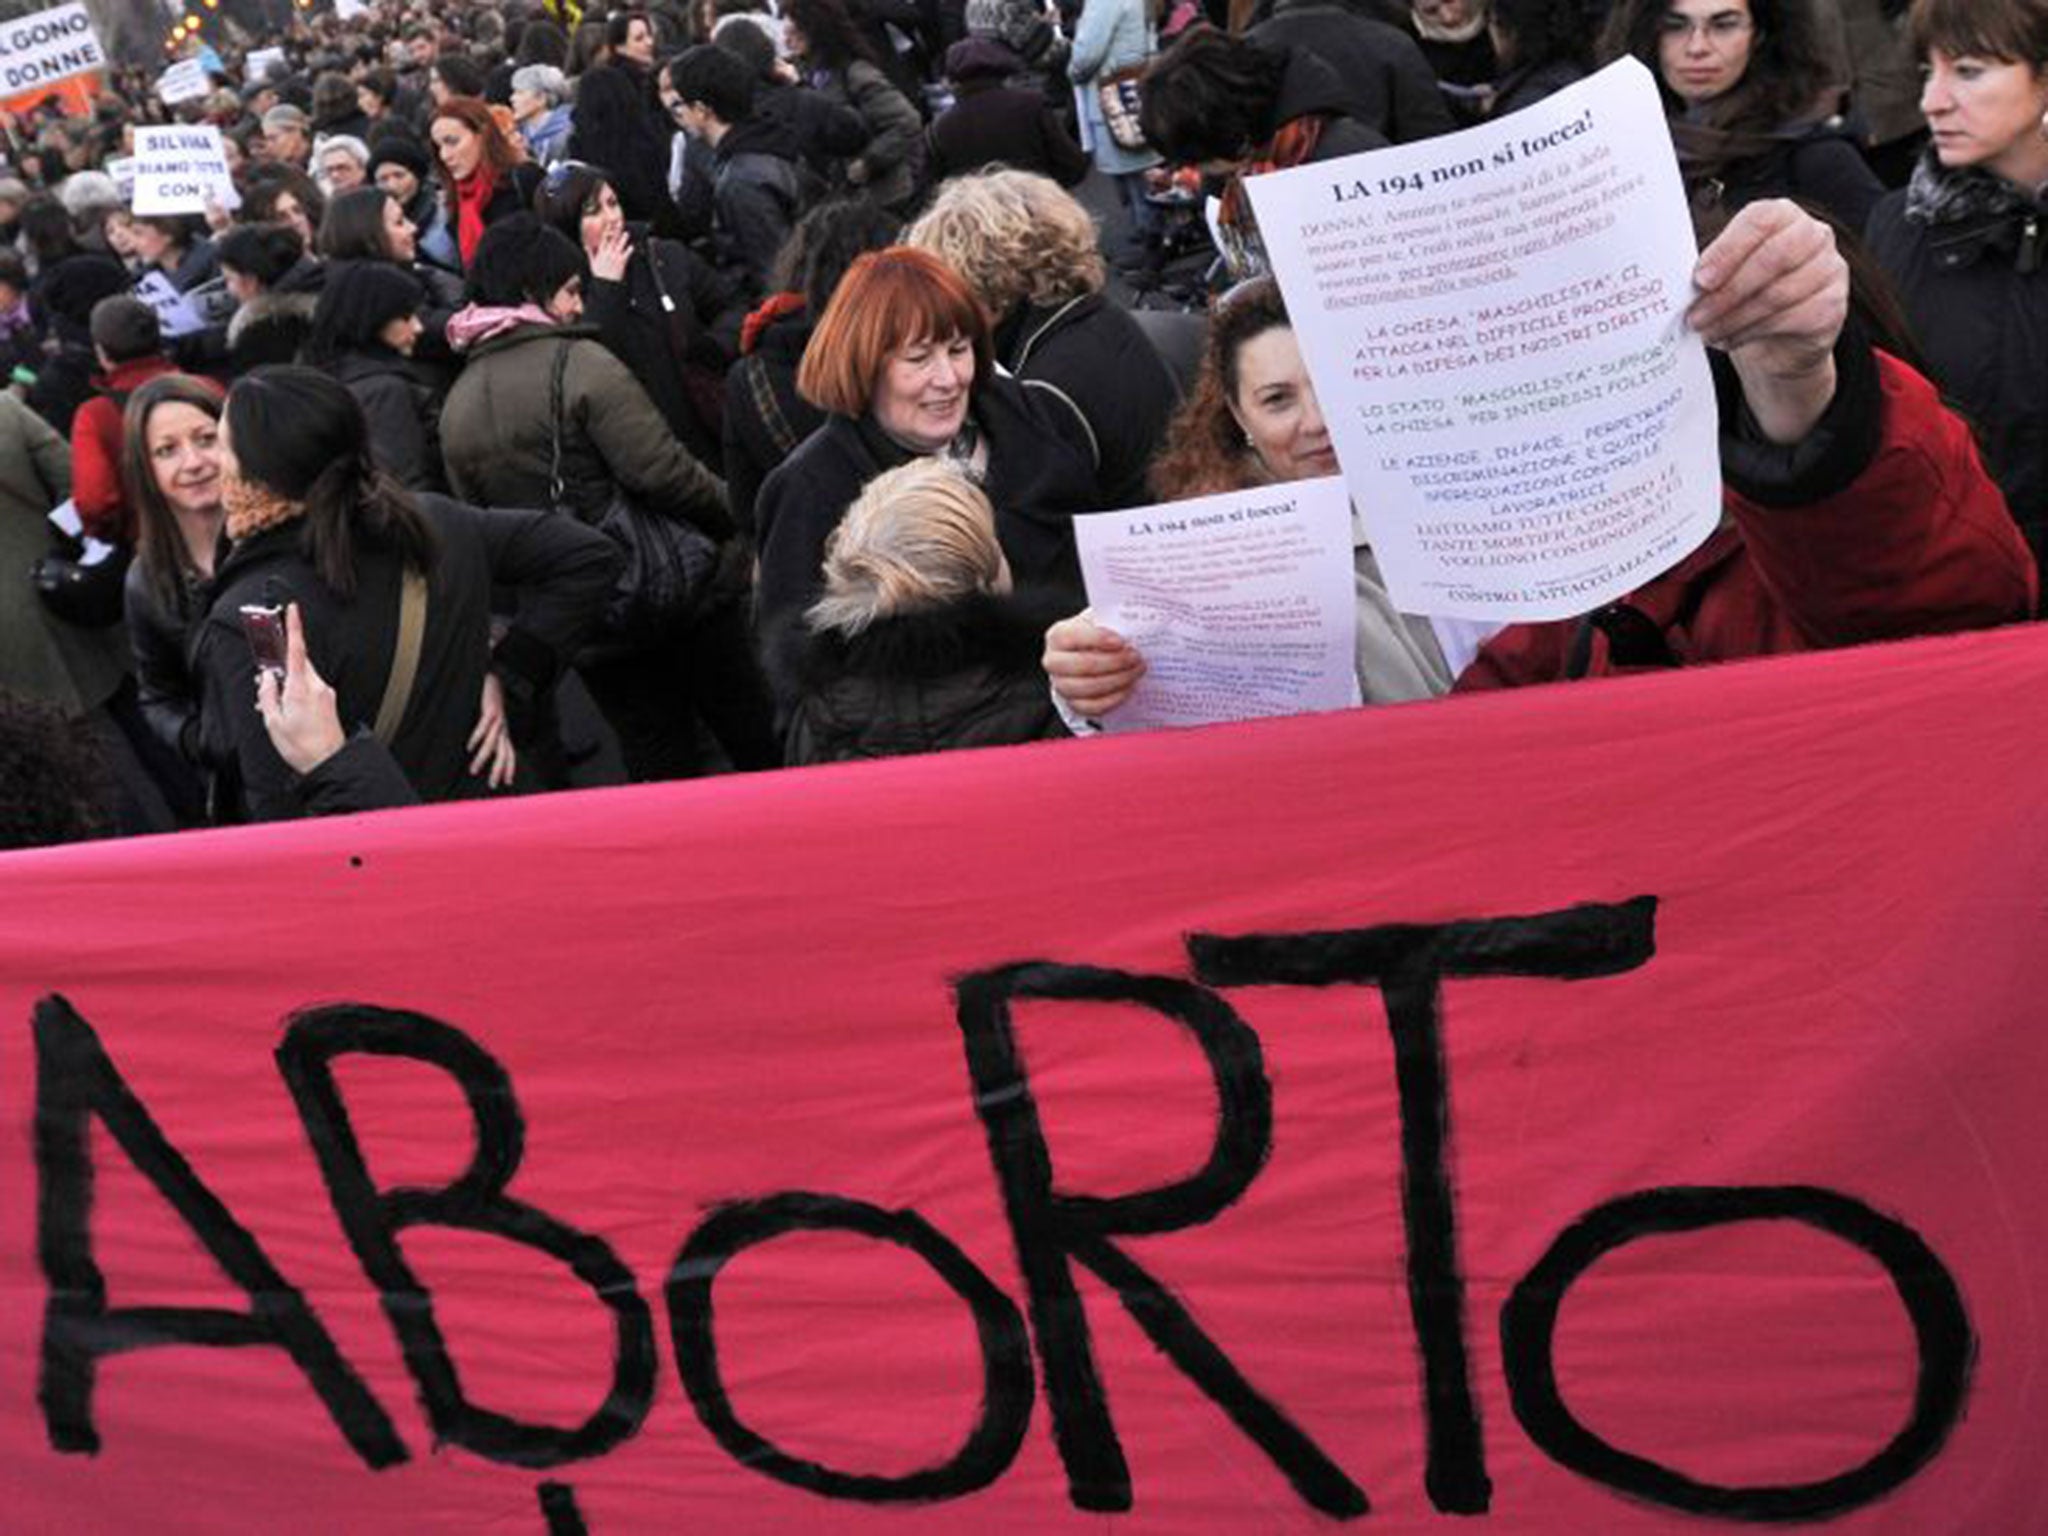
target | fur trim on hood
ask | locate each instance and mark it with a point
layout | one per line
(1006, 633)
(271, 308)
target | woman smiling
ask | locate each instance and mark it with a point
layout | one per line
(901, 363)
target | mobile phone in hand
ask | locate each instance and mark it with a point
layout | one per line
(264, 628)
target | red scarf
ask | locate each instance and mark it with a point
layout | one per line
(1293, 144)
(471, 197)
(772, 309)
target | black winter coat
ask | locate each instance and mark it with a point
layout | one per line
(1093, 352)
(966, 675)
(561, 569)
(1817, 164)
(402, 413)
(673, 322)
(765, 418)
(1040, 473)
(1976, 290)
(990, 124)
(159, 640)
(1524, 87)
(1388, 84)
(826, 133)
(760, 187)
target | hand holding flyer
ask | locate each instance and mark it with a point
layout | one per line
(1494, 321)
(1242, 604)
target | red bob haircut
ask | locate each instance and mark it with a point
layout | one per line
(889, 299)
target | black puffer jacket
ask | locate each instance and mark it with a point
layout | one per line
(1969, 254)
(966, 675)
(1095, 354)
(561, 569)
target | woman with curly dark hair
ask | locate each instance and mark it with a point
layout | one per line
(1751, 95)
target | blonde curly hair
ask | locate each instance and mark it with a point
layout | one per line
(1016, 237)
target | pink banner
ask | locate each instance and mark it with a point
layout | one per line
(1605, 1108)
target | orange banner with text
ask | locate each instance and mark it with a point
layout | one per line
(1606, 1108)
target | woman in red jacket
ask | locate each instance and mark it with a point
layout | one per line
(1857, 508)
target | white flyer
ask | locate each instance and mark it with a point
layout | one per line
(261, 63)
(1243, 605)
(1494, 323)
(48, 46)
(175, 315)
(178, 168)
(185, 80)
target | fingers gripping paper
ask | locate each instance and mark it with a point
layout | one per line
(1605, 1109)
(1493, 321)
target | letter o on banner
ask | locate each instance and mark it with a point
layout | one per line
(1941, 1328)
(1008, 1387)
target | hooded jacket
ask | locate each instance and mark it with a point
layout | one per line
(963, 675)
(759, 188)
(497, 432)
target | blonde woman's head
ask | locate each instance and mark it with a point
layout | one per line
(918, 537)
(1015, 236)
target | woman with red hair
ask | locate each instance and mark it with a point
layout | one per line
(485, 174)
(900, 363)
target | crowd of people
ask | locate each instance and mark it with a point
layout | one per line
(565, 399)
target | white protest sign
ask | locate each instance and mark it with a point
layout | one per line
(261, 61)
(184, 81)
(346, 10)
(174, 312)
(177, 169)
(1243, 605)
(49, 46)
(122, 169)
(1493, 321)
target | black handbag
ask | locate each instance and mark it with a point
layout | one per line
(670, 563)
(86, 594)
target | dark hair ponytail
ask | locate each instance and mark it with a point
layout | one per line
(300, 435)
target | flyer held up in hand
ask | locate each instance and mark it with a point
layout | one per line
(1494, 323)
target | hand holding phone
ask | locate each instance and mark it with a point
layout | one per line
(264, 628)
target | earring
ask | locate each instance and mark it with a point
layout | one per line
(1248, 441)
